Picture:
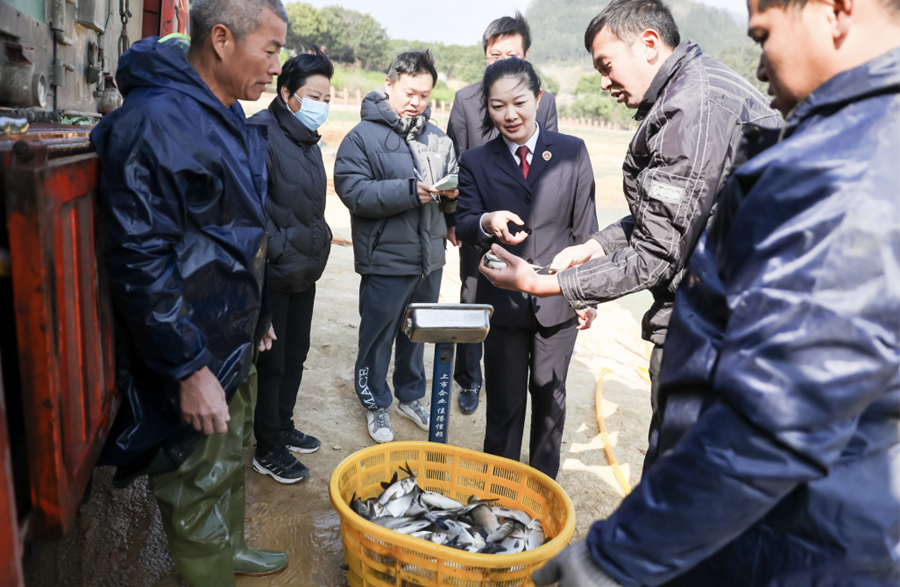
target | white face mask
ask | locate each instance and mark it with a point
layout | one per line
(312, 113)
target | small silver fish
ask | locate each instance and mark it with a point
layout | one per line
(478, 526)
(438, 501)
(398, 506)
(391, 522)
(416, 508)
(412, 527)
(513, 544)
(484, 517)
(534, 534)
(397, 489)
(502, 531)
(517, 515)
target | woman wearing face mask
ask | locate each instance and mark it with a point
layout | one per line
(299, 243)
(531, 191)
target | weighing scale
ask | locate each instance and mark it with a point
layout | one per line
(445, 325)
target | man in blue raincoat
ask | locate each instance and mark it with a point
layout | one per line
(181, 191)
(780, 445)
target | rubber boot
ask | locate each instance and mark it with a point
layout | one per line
(210, 571)
(248, 560)
(198, 536)
(197, 504)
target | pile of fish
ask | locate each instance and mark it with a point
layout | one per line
(478, 526)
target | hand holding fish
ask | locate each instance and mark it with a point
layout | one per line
(518, 275)
(573, 567)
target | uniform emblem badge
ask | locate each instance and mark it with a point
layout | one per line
(547, 155)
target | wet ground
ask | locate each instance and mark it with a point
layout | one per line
(118, 539)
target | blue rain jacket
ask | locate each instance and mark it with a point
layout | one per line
(182, 186)
(783, 354)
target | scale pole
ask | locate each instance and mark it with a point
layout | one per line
(442, 382)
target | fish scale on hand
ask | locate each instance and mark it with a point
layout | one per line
(477, 527)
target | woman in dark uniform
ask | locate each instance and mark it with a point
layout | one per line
(531, 190)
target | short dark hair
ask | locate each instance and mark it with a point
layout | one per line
(506, 26)
(297, 69)
(505, 68)
(413, 63)
(627, 18)
(240, 16)
(892, 6)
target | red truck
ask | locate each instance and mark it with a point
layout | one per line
(57, 390)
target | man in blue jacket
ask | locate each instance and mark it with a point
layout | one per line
(181, 190)
(780, 442)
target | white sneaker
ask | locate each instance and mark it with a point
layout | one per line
(379, 424)
(416, 412)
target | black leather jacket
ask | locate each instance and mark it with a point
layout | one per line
(693, 117)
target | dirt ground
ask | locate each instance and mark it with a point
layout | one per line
(118, 539)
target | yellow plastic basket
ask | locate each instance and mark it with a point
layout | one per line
(377, 557)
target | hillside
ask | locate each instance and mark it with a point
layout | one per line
(558, 28)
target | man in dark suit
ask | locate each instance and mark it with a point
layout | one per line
(505, 37)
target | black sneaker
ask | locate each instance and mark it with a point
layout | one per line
(280, 464)
(299, 442)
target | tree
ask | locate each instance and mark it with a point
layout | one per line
(306, 24)
(593, 102)
(353, 36)
(348, 36)
(557, 28)
(547, 83)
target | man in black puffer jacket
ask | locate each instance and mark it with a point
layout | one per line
(384, 173)
(299, 243)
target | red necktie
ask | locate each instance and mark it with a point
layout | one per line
(522, 154)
